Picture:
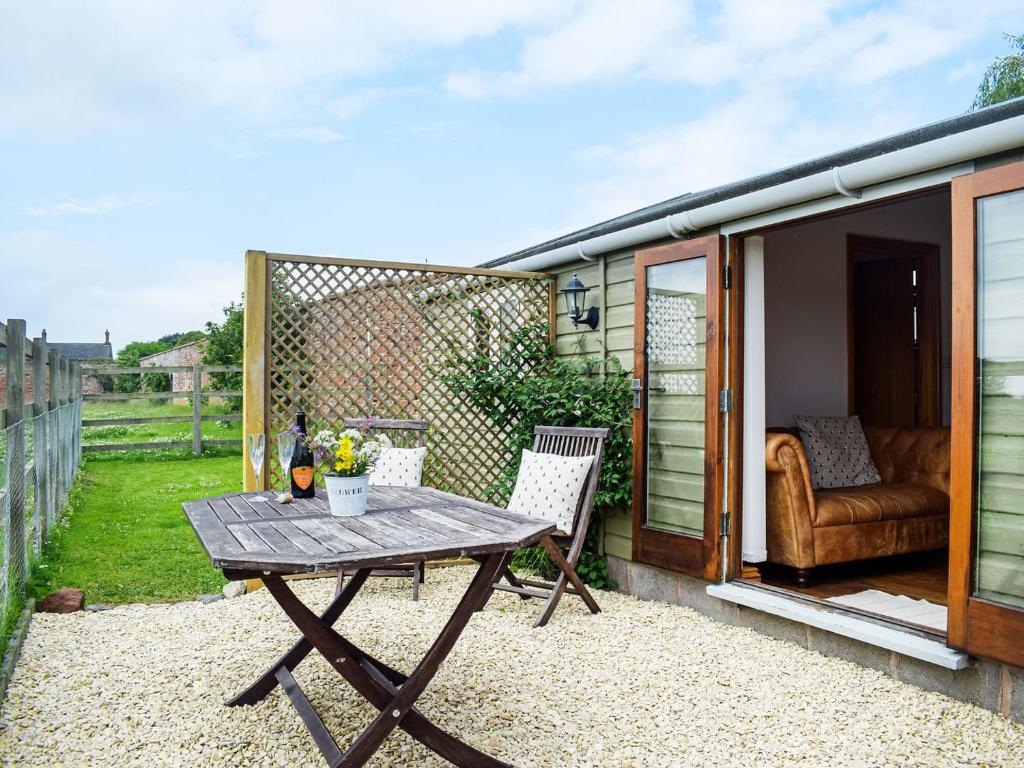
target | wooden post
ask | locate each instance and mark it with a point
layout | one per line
(53, 357)
(254, 367)
(56, 386)
(76, 426)
(76, 380)
(197, 410)
(41, 447)
(65, 380)
(17, 557)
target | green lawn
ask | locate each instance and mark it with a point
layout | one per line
(146, 433)
(124, 538)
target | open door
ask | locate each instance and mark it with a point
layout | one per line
(677, 429)
(986, 546)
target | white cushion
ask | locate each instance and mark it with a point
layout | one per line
(549, 487)
(398, 466)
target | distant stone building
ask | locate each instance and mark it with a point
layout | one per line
(184, 354)
(84, 352)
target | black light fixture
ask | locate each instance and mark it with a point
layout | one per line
(576, 304)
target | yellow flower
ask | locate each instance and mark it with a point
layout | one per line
(343, 455)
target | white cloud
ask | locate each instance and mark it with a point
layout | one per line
(743, 42)
(70, 67)
(319, 134)
(606, 39)
(101, 289)
(756, 132)
(89, 206)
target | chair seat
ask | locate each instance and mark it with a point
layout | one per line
(872, 503)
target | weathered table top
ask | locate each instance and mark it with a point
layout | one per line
(401, 525)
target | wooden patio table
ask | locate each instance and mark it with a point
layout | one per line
(267, 540)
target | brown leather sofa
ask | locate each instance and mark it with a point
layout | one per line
(907, 512)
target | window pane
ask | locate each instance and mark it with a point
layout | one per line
(999, 557)
(676, 335)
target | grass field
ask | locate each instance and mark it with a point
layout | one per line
(147, 433)
(124, 538)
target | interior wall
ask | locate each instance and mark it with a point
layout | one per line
(806, 298)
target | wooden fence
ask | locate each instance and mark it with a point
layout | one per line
(196, 393)
(345, 338)
(41, 451)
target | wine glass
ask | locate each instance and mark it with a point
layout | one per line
(285, 446)
(257, 450)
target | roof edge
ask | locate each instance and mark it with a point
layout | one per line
(915, 136)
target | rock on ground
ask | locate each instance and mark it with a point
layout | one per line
(65, 600)
(640, 685)
(234, 589)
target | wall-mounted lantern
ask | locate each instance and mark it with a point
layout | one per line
(576, 304)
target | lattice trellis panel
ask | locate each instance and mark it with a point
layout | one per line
(349, 339)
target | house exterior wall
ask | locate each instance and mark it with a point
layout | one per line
(990, 684)
(611, 284)
(186, 354)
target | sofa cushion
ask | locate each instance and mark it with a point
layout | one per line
(891, 501)
(837, 451)
(917, 455)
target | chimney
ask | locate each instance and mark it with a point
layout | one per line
(106, 337)
(44, 334)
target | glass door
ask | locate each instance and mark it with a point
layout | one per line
(986, 581)
(677, 479)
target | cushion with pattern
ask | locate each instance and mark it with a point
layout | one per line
(837, 451)
(399, 466)
(549, 487)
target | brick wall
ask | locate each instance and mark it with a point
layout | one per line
(91, 385)
(186, 354)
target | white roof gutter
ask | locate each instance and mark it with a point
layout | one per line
(845, 180)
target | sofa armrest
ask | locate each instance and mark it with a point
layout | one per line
(789, 502)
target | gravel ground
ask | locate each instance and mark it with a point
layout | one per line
(642, 684)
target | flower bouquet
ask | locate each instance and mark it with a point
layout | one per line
(345, 459)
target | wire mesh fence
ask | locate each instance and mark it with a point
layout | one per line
(40, 458)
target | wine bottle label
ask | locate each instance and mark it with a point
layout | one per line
(303, 476)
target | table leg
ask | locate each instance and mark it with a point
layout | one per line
(368, 677)
(263, 685)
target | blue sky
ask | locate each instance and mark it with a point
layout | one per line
(145, 146)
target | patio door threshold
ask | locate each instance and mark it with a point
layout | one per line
(903, 641)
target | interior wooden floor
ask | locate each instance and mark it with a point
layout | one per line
(921, 575)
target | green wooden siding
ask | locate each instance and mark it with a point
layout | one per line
(677, 476)
(999, 564)
(611, 282)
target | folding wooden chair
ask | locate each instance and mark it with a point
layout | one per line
(563, 441)
(404, 433)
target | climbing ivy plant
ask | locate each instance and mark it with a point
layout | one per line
(525, 384)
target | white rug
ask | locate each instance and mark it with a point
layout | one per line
(896, 606)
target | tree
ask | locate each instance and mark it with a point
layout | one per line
(129, 358)
(177, 339)
(224, 347)
(1004, 78)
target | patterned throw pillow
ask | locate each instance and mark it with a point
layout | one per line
(837, 451)
(549, 487)
(398, 466)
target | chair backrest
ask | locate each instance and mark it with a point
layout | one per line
(575, 441)
(404, 433)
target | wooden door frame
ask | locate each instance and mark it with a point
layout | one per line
(677, 552)
(978, 626)
(931, 362)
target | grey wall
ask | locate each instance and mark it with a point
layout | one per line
(806, 303)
